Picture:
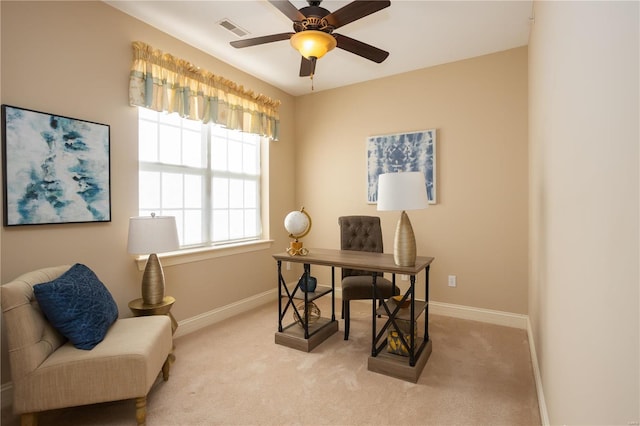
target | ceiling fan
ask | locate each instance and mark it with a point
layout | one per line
(314, 25)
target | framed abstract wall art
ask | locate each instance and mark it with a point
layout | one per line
(56, 169)
(402, 152)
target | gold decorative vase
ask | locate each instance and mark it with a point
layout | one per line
(153, 281)
(404, 243)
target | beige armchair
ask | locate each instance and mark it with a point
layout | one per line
(49, 372)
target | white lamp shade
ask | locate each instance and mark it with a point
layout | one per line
(152, 234)
(402, 191)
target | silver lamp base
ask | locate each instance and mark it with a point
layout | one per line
(153, 281)
(404, 243)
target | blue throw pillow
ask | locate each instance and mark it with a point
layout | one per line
(78, 305)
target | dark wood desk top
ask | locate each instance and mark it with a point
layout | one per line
(377, 262)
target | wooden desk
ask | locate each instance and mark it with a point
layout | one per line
(407, 368)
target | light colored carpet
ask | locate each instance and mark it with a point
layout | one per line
(232, 373)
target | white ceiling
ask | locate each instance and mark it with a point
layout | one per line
(417, 33)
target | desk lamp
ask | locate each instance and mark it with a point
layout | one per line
(403, 191)
(150, 235)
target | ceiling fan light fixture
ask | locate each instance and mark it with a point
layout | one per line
(313, 43)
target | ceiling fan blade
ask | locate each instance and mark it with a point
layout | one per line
(261, 40)
(288, 9)
(307, 67)
(354, 11)
(361, 49)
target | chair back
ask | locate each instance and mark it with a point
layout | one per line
(30, 337)
(360, 233)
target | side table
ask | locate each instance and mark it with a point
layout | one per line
(139, 309)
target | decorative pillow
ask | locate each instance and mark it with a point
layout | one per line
(78, 305)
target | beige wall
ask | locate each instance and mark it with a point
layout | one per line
(478, 228)
(73, 59)
(583, 67)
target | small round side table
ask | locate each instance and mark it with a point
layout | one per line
(139, 309)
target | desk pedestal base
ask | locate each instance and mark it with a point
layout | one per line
(398, 366)
(293, 336)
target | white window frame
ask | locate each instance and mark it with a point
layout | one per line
(211, 249)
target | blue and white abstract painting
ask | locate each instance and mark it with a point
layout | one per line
(402, 152)
(57, 169)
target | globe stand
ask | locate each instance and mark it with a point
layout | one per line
(296, 249)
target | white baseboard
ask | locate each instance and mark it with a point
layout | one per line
(437, 308)
(507, 319)
(208, 318)
(542, 406)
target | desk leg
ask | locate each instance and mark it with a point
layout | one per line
(279, 295)
(333, 293)
(412, 319)
(426, 310)
(307, 274)
(374, 304)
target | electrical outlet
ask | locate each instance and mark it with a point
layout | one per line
(404, 277)
(288, 266)
(452, 281)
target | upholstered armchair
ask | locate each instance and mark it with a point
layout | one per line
(361, 233)
(49, 371)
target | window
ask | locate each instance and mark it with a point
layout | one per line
(206, 176)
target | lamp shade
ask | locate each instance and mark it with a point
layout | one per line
(152, 234)
(313, 43)
(402, 191)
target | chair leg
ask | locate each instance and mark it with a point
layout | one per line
(347, 315)
(141, 410)
(29, 419)
(343, 302)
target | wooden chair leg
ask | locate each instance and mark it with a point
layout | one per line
(141, 410)
(29, 419)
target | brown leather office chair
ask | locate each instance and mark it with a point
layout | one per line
(361, 233)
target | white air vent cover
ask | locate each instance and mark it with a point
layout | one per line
(227, 24)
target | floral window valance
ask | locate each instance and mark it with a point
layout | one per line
(164, 83)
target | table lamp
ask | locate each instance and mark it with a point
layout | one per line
(150, 235)
(403, 191)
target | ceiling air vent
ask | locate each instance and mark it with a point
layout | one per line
(228, 25)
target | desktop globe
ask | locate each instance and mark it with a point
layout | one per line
(298, 224)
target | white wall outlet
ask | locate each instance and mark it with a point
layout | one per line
(404, 277)
(452, 281)
(288, 266)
